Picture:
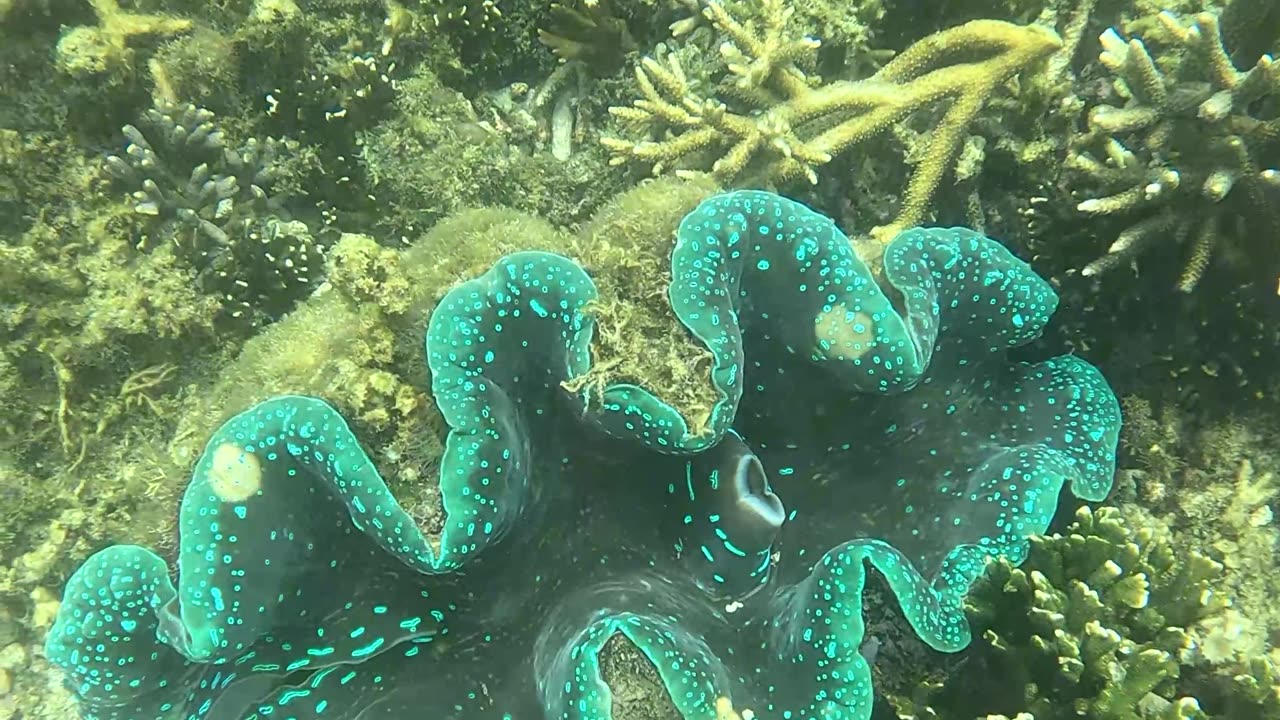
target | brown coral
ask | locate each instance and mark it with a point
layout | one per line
(1191, 154)
(592, 34)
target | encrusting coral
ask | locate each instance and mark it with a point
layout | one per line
(744, 606)
(1192, 155)
(785, 124)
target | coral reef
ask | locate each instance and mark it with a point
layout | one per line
(107, 348)
(405, 146)
(680, 526)
(357, 343)
(1158, 607)
(1189, 150)
(785, 124)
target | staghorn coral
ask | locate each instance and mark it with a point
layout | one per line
(616, 520)
(214, 204)
(846, 27)
(1190, 156)
(784, 123)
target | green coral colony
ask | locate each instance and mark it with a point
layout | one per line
(855, 423)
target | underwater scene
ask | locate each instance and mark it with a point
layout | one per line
(639, 359)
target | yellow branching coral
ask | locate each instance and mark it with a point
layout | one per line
(1187, 153)
(785, 123)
